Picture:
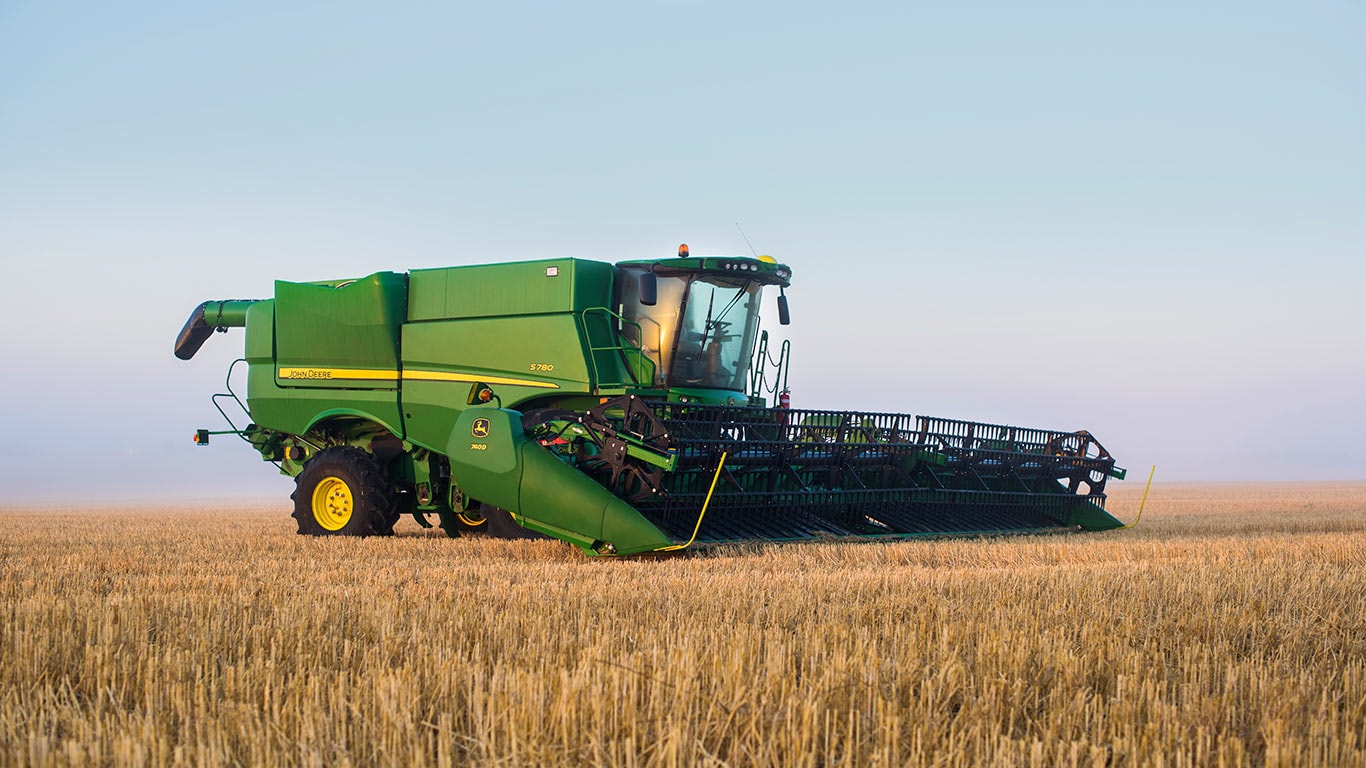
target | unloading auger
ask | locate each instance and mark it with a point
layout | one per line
(622, 408)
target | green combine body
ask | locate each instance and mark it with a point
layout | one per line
(622, 408)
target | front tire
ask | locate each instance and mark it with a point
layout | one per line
(342, 491)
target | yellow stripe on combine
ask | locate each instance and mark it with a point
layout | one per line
(374, 374)
(472, 378)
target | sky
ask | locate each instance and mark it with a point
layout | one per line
(1143, 220)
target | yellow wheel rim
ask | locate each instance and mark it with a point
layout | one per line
(332, 503)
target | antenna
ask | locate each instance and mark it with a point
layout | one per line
(747, 242)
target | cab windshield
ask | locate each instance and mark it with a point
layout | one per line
(700, 332)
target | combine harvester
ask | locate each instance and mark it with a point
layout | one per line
(618, 407)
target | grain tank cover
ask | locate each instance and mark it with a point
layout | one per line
(507, 290)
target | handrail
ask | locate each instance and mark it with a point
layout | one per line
(230, 393)
(646, 365)
(756, 370)
(758, 375)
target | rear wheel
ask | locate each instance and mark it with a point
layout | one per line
(343, 492)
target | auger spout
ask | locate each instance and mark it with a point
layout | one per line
(207, 318)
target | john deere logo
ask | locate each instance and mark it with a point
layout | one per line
(480, 428)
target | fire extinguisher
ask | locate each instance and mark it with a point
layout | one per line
(784, 402)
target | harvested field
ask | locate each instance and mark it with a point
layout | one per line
(1229, 628)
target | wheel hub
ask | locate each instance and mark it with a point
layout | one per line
(333, 503)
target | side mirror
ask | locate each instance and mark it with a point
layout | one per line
(648, 289)
(784, 317)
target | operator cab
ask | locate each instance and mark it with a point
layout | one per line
(701, 327)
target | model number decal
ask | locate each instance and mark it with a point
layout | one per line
(542, 367)
(479, 446)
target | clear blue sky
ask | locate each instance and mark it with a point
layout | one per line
(1145, 220)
